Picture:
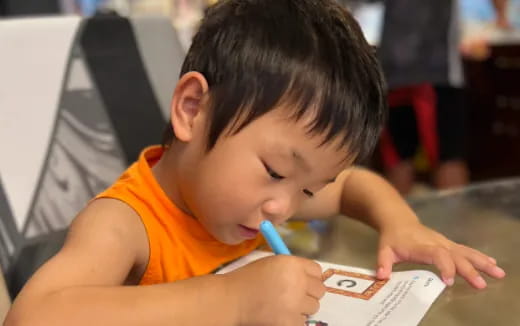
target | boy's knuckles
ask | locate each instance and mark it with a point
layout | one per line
(467, 270)
(322, 291)
(440, 252)
(314, 268)
(482, 261)
(286, 262)
(316, 288)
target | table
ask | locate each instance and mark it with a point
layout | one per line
(485, 216)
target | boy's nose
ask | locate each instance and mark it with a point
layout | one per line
(277, 210)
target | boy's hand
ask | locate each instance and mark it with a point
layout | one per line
(277, 290)
(419, 244)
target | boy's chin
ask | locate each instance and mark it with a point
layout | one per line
(232, 241)
(235, 242)
(229, 239)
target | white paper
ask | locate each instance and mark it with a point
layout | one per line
(355, 297)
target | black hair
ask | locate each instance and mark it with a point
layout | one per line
(310, 54)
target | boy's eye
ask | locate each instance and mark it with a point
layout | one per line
(272, 173)
(308, 192)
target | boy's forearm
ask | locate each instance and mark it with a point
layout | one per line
(198, 301)
(371, 199)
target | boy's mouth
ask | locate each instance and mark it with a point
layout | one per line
(247, 232)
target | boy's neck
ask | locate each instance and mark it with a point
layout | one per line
(165, 172)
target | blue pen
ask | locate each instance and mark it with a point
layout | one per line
(273, 238)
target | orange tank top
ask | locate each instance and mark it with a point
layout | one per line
(180, 247)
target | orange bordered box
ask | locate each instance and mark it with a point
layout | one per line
(355, 285)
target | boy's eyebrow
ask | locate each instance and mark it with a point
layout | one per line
(299, 158)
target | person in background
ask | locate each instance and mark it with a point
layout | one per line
(427, 112)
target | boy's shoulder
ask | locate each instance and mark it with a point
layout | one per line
(112, 214)
(111, 224)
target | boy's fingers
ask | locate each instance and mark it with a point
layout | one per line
(478, 253)
(444, 262)
(468, 272)
(312, 268)
(484, 264)
(310, 306)
(423, 254)
(385, 261)
(316, 288)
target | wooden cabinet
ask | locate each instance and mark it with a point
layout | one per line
(494, 114)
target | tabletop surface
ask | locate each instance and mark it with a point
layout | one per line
(484, 216)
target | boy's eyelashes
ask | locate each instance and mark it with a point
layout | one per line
(272, 173)
(308, 193)
(277, 176)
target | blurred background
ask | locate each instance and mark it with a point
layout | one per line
(460, 56)
(100, 75)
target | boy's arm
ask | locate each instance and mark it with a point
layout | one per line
(360, 194)
(81, 285)
(364, 195)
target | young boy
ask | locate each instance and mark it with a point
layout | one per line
(276, 101)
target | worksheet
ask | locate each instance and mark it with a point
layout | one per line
(355, 297)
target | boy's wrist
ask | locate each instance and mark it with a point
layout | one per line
(397, 218)
(392, 215)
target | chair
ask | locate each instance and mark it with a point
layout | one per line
(79, 99)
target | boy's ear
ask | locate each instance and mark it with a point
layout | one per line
(187, 104)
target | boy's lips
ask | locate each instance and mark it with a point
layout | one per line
(247, 232)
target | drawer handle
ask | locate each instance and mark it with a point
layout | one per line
(508, 62)
(508, 102)
(502, 129)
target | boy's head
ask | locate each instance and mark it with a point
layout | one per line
(302, 66)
